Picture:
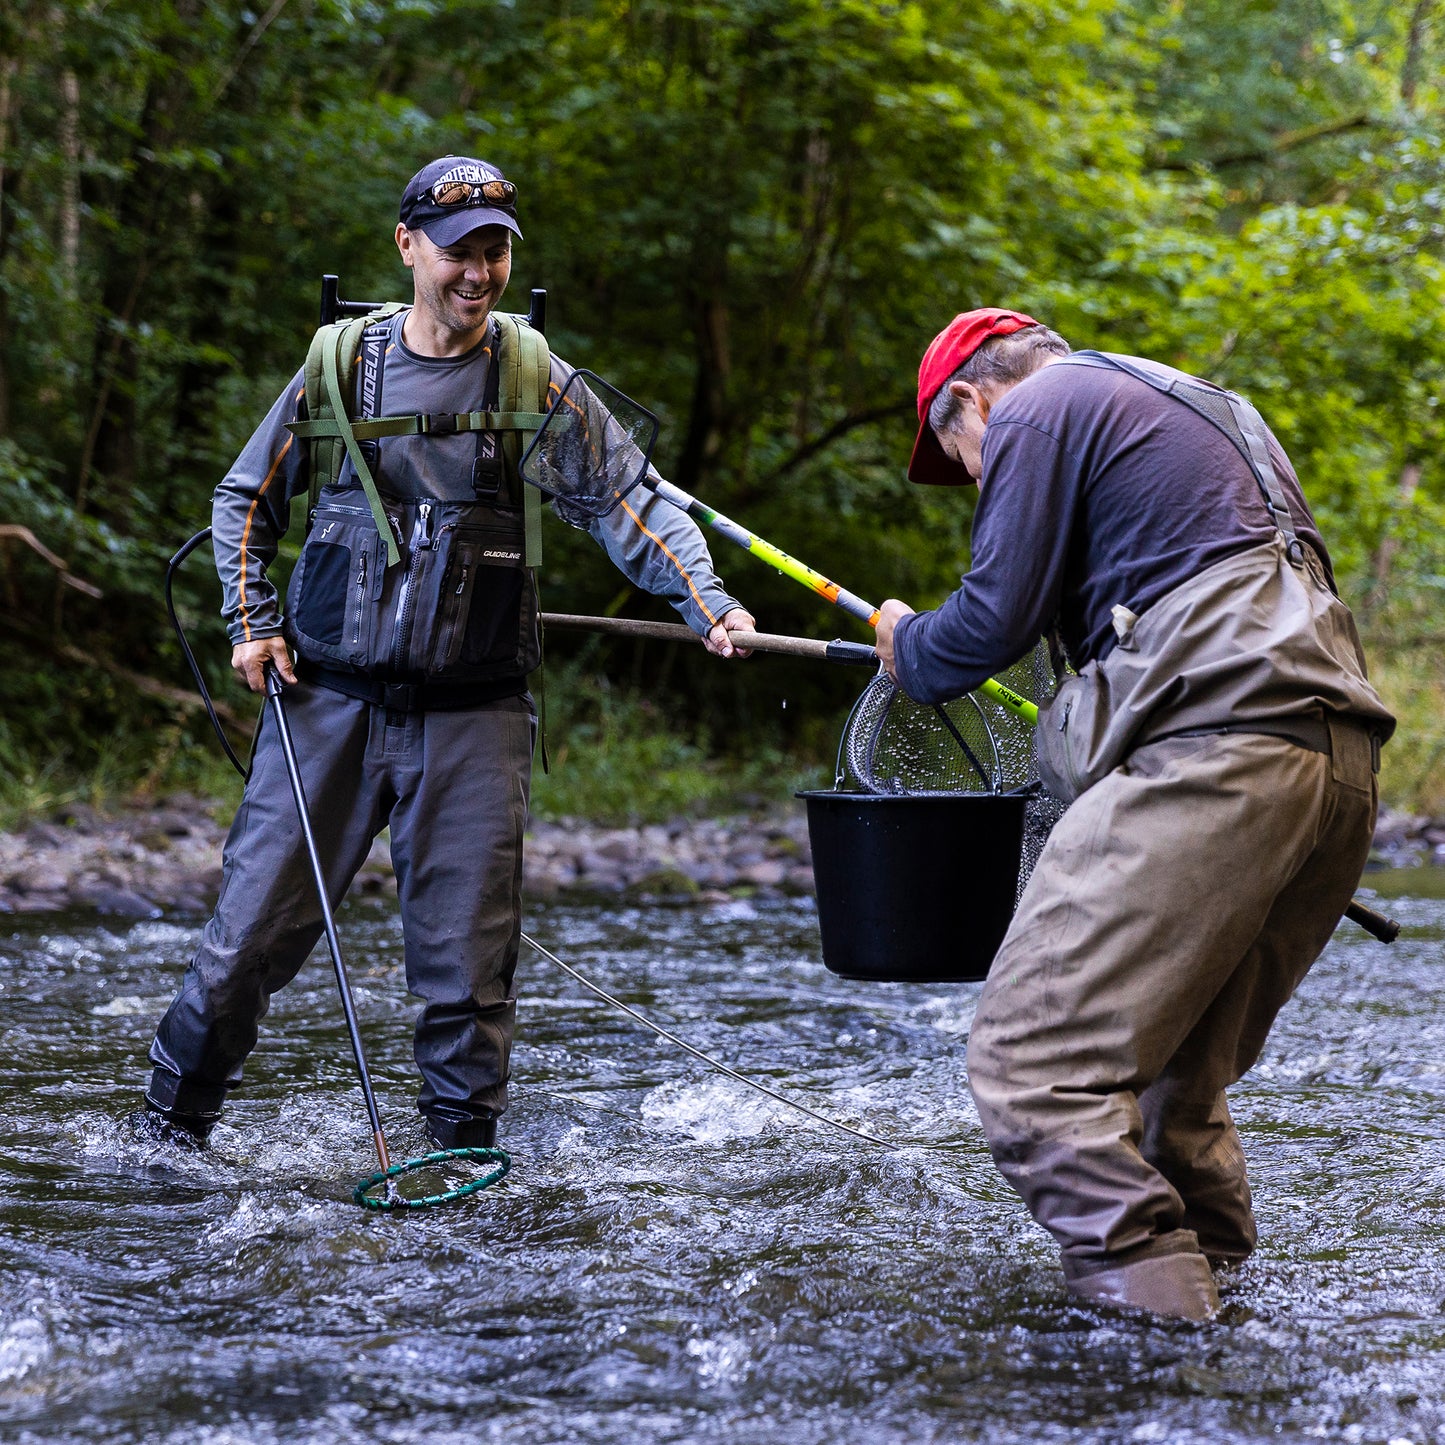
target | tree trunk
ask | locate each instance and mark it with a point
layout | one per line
(70, 181)
(706, 430)
(9, 68)
(1414, 48)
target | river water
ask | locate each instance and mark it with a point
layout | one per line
(673, 1257)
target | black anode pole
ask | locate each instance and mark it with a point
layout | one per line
(274, 688)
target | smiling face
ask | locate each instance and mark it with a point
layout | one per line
(455, 287)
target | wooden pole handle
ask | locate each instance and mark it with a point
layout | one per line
(857, 653)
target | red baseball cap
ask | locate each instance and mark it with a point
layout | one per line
(930, 464)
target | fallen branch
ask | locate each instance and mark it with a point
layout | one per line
(151, 687)
(24, 534)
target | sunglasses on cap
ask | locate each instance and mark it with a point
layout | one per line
(498, 192)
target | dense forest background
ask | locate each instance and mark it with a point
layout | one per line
(751, 214)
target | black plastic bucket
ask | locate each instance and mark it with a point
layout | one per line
(916, 889)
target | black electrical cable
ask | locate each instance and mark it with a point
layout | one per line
(171, 568)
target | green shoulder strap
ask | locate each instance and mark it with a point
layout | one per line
(330, 377)
(524, 370)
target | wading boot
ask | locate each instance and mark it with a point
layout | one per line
(452, 1129)
(184, 1132)
(1172, 1286)
(177, 1112)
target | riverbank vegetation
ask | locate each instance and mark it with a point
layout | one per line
(750, 215)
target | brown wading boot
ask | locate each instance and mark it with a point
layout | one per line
(1173, 1286)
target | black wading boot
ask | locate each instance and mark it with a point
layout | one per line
(452, 1129)
(177, 1112)
(183, 1132)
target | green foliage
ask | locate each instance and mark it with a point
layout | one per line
(619, 757)
(753, 216)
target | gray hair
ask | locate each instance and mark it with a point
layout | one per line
(1000, 361)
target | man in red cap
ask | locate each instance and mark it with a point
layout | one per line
(1220, 742)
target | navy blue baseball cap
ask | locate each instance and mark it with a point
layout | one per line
(454, 196)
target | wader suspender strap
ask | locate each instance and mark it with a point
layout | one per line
(332, 382)
(367, 388)
(488, 467)
(1251, 428)
(526, 367)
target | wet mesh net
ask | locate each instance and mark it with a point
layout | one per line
(973, 744)
(592, 450)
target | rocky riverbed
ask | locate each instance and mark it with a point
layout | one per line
(141, 862)
(144, 861)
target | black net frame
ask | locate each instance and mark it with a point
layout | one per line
(594, 447)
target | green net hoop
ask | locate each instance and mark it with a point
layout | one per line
(393, 1200)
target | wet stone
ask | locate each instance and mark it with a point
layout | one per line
(618, 848)
(46, 835)
(40, 878)
(174, 825)
(123, 903)
(744, 858)
(664, 883)
(80, 817)
(768, 873)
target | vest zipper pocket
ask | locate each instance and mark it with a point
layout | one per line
(453, 604)
(360, 612)
(420, 545)
(496, 620)
(327, 616)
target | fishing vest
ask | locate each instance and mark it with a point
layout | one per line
(418, 590)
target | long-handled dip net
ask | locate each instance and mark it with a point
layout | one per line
(440, 1164)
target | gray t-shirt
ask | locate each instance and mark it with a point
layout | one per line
(656, 546)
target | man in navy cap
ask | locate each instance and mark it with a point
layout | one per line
(1221, 741)
(413, 617)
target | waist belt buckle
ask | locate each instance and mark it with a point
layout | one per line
(400, 696)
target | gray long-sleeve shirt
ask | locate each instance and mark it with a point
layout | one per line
(656, 546)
